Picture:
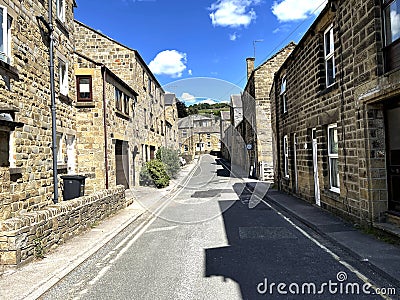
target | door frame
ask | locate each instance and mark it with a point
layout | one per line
(389, 166)
(317, 193)
(296, 178)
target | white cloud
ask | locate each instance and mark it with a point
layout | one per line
(208, 101)
(188, 98)
(233, 37)
(169, 62)
(190, 72)
(293, 10)
(233, 13)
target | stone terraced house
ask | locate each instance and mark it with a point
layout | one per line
(25, 114)
(255, 128)
(199, 134)
(171, 121)
(105, 120)
(336, 111)
(148, 115)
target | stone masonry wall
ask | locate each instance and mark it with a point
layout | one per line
(127, 64)
(23, 236)
(27, 183)
(358, 61)
(256, 110)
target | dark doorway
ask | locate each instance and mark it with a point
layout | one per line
(152, 152)
(122, 163)
(393, 144)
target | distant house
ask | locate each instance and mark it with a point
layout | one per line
(171, 121)
(199, 134)
(336, 113)
(226, 134)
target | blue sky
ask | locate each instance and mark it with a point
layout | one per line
(185, 39)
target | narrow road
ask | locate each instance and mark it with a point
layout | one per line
(204, 242)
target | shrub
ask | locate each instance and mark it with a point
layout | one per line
(170, 158)
(154, 173)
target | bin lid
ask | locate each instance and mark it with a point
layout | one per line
(72, 177)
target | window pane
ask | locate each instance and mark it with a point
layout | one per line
(283, 86)
(329, 46)
(330, 71)
(4, 149)
(333, 164)
(392, 22)
(333, 141)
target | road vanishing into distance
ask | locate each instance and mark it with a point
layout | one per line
(203, 241)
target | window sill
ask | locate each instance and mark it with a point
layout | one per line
(122, 115)
(331, 194)
(61, 26)
(335, 190)
(14, 171)
(61, 166)
(85, 104)
(8, 70)
(65, 99)
(329, 89)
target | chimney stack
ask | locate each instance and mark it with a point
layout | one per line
(250, 66)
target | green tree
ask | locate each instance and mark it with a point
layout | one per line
(170, 158)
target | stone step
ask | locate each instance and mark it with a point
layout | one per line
(392, 218)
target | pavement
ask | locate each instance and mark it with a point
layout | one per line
(30, 281)
(381, 257)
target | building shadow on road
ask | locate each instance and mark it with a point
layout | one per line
(244, 260)
(263, 247)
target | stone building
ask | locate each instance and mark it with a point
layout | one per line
(171, 121)
(199, 134)
(226, 134)
(238, 150)
(255, 127)
(105, 120)
(26, 167)
(148, 121)
(336, 113)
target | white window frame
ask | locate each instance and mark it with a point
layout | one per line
(283, 94)
(59, 144)
(61, 10)
(329, 54)
(6, 24)
(186, 148)
(286, 156)
(333, 156)
(63, 77)
(208, 136)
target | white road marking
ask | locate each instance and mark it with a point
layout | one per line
(138, 232)
(336, 257)
(162, 229)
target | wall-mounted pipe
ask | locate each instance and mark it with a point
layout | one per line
(104, 74)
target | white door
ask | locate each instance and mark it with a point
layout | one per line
(315, 167)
